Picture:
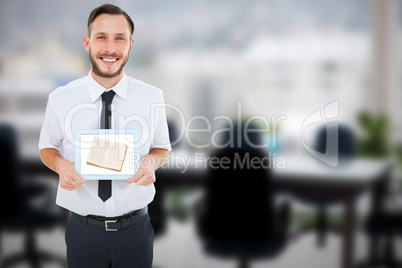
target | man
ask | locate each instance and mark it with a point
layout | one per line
(109, 225)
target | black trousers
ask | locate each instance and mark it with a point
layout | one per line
(92, 247)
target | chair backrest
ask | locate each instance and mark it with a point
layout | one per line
(11, 171)
(238, 204)
(346, 141)
(174, 134)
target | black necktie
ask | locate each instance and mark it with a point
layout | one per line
(105, 186)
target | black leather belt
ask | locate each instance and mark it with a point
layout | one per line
(112, 224)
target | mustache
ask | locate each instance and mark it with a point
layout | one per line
(114, 55)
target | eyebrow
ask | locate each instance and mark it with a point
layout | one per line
(103, 33)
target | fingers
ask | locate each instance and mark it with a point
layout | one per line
(147, 179)
(71, 180)
(146, 173)
(143, 177)
(141, 172)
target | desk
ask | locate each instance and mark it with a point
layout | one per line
(305, 176)
(309, 176)
(345, 182)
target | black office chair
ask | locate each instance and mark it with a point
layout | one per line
(346, 152)
(384, 227)
(383, 224)
(156, 209)
(16, 205)
(237, 217)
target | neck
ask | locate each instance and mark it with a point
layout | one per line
(106, 82)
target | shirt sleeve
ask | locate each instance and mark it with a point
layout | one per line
(51, 134)
(160, 129)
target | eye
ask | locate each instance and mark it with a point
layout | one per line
(100, 37)
(120, 38)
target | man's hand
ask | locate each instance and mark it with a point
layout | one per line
(146, 173)
(68, 177)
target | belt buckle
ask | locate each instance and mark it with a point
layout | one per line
(106, 225)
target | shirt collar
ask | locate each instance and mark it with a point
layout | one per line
(95, 89)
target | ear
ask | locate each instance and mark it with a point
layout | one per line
(131, 43)
(86, 42)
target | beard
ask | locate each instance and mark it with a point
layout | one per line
(97, 70)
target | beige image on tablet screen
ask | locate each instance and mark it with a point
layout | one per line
(107, 154)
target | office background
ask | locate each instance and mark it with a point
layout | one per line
(275, 57)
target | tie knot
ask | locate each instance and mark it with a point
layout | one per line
(107, 97)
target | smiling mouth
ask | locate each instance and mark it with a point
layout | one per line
(109, 60)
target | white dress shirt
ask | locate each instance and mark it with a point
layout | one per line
(78, 105)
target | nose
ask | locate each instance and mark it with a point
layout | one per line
(110, 46)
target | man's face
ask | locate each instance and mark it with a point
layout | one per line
(109, 45)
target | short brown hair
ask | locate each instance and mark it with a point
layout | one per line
(111, 10)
